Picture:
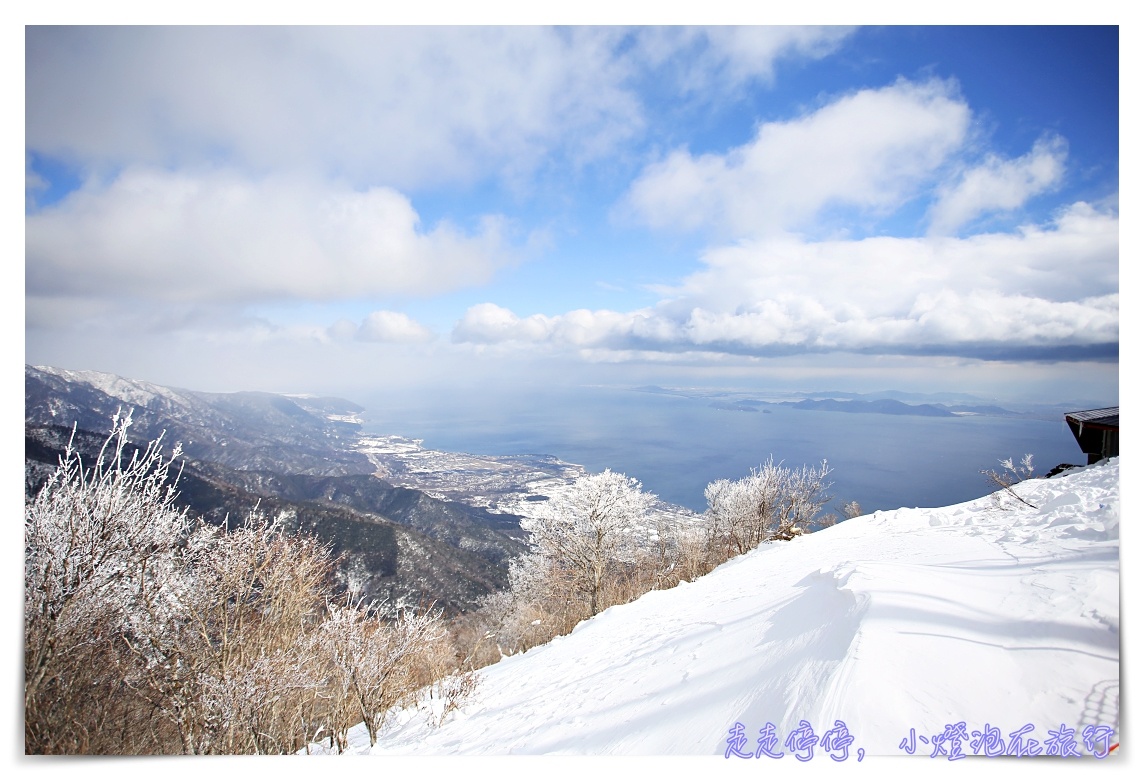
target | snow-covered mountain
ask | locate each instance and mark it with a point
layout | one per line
(988, 627)
(245, 430)
(293, 457)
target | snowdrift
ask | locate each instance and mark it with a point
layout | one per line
(903, 626)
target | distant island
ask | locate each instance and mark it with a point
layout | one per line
(884, 402)
(739, 406)
(882, 406)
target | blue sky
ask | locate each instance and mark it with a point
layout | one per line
(333, 209)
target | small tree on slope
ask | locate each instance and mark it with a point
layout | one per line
(772, 503)
(596, 524)
(1011, 475)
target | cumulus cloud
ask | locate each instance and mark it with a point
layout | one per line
(218, 236)
(487, 323)
(998, 184)
(391, 327)
(1047, 292)
(869, 150)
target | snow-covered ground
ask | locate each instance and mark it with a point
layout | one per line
(505, 484)
(497, 483)
(131, 391)
(989, 617)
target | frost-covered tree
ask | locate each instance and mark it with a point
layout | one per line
(773, 502)
(223, 657)
(597, 523)
(98, 538)
(541, 602)
(147, 632)
(374, 664)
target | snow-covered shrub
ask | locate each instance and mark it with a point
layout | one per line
(1009, 476)
(773, 503)
(374, 665)
(693, 556)
(596, 544)
(245, 675)
(592, 527)
(99, 538)
(147, 632)
(600, 543)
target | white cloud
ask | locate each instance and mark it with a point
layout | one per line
(706, 60)
(1046, 292)
(487, 323)
(871, 150)
(751, 51)
(1075, 256)
(219, 237)
(33, 182)
(393, 327)
(406, 105)
(409, 106)
(999, 185)
(987, 317)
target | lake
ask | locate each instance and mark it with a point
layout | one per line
(677, 445)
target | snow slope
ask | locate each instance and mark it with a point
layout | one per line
(989, 613)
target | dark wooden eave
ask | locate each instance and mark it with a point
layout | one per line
(1097, 431)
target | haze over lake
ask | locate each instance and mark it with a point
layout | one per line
(676, 445)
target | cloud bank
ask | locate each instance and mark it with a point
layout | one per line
(1046, 293)
(217, 236)
(412, 106)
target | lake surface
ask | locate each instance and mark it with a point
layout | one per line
(677, 445)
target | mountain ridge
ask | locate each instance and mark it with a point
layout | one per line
(289, 457)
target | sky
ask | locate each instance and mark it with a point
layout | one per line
(332, 209)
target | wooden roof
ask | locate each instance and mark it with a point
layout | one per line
(1109, 417)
